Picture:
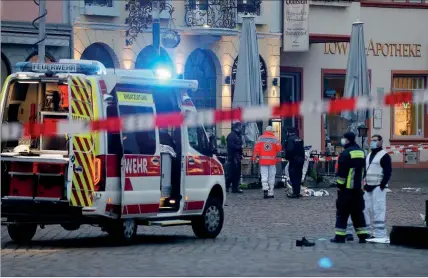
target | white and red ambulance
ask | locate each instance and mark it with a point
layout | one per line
(115, 180)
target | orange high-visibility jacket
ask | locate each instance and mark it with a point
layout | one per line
(267, 148)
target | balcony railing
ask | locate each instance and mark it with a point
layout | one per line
(218, 13)
(99, 3)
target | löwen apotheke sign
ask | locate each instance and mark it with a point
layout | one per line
(377, 49)
(263, 73)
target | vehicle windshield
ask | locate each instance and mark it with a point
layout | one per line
(35, 101)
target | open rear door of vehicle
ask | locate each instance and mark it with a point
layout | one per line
(80, 187)
(140, 168)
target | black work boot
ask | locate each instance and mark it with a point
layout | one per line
(338, 239)
(265, 194)
(349, 237)
(293, 196)
(237, 190)
(363, 238)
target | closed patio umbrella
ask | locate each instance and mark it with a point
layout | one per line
(357, 77)
(248, 86)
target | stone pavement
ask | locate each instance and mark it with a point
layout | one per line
(258, 239)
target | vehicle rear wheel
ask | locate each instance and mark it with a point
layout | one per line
(210, 223)
(124, 230)
(21, 233)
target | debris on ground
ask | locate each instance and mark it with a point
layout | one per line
(304, 243)
(310, 192)
(410, 189)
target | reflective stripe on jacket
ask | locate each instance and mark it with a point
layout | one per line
(266, 149)
(351, 168)
(374, 174)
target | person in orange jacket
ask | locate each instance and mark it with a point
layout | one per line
(266, 149)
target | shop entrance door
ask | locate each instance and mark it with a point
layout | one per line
(290, 92)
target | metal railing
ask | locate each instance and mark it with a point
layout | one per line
(100, 3)
(218, 13)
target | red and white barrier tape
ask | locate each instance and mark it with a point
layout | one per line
(133, 123)
(399, 147)
(405, 150)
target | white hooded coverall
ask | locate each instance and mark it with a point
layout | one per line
(375, 201)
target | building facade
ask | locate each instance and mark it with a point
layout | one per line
(209, 32)
(396, 53)
(19, 36)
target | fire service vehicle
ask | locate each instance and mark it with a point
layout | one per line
(113, 180)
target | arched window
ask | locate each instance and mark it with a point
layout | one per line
(34, 58)
(102, 53)
(200, 66)
(147, 59)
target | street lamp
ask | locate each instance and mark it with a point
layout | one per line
(362, 132)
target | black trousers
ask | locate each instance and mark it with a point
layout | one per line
(233, 176)
(295, 172)
(350, 203)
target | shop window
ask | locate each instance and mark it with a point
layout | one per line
(334, 125)
(408, 117)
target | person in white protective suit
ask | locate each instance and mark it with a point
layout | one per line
(265, 152)
(378, 173)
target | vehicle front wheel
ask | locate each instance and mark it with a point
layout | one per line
(124, 230)
(21, 233)
(210, 223)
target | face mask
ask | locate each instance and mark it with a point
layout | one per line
(343, 141)
(373, 145)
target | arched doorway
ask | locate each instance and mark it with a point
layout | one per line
(34, 58)
(147, 59)
(5, 68)
(200, 66)
(102, 53)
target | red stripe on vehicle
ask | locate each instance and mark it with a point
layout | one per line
(142, 166)
(216, 167)
(133, 209)
(128, 185)
(198, 166)
(194, 205)
(149, 208)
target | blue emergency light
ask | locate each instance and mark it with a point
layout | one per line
(163, 73)
(88, 69)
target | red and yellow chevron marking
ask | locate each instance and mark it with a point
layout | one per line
(83, 146)
(83, 172)
(81, 97)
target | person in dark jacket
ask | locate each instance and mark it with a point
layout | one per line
(234, 158)
(349, 181)
(295, 154)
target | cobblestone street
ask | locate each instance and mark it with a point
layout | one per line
(258, 239)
